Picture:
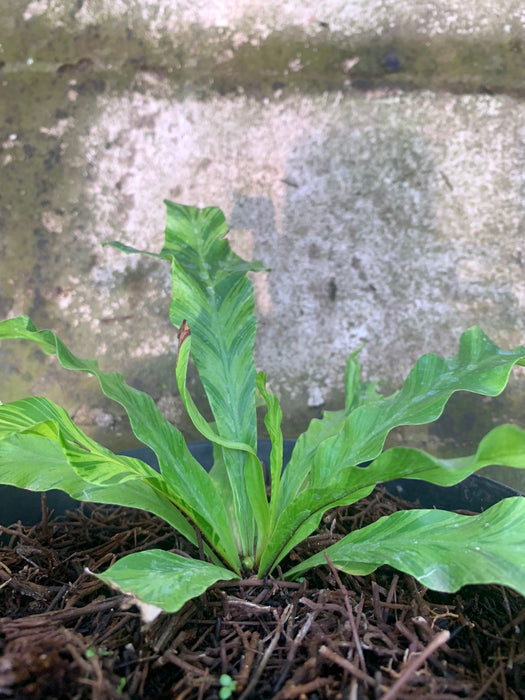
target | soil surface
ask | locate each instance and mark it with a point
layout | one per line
(64, 634)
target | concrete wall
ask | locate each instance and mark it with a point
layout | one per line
(370, 153)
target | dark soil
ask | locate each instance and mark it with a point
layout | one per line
(63, 634)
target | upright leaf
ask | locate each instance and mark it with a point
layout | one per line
(256, 490)
(206, 430)
(212, 292)
(272, 420)
(357, 393)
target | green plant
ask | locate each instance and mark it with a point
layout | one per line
(239, 528)
(227, 686)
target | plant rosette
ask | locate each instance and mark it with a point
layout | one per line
(243, 528)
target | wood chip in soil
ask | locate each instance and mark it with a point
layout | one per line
(63, 634)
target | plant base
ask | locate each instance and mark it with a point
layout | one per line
(64, 634)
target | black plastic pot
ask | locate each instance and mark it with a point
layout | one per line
(476, 493)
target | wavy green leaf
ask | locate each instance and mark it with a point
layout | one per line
(324, 453)
(480, 367)
(213, 294)
(188, 481)
(35, 459)
(92, 462)
(163, 579)
(442, 550)
(504, 445)
(351, 437)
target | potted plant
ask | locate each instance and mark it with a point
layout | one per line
(241, 526)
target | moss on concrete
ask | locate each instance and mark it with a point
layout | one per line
(219, 60)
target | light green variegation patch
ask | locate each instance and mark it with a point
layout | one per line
(162, 579)
(444, 551)
(242, 528)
